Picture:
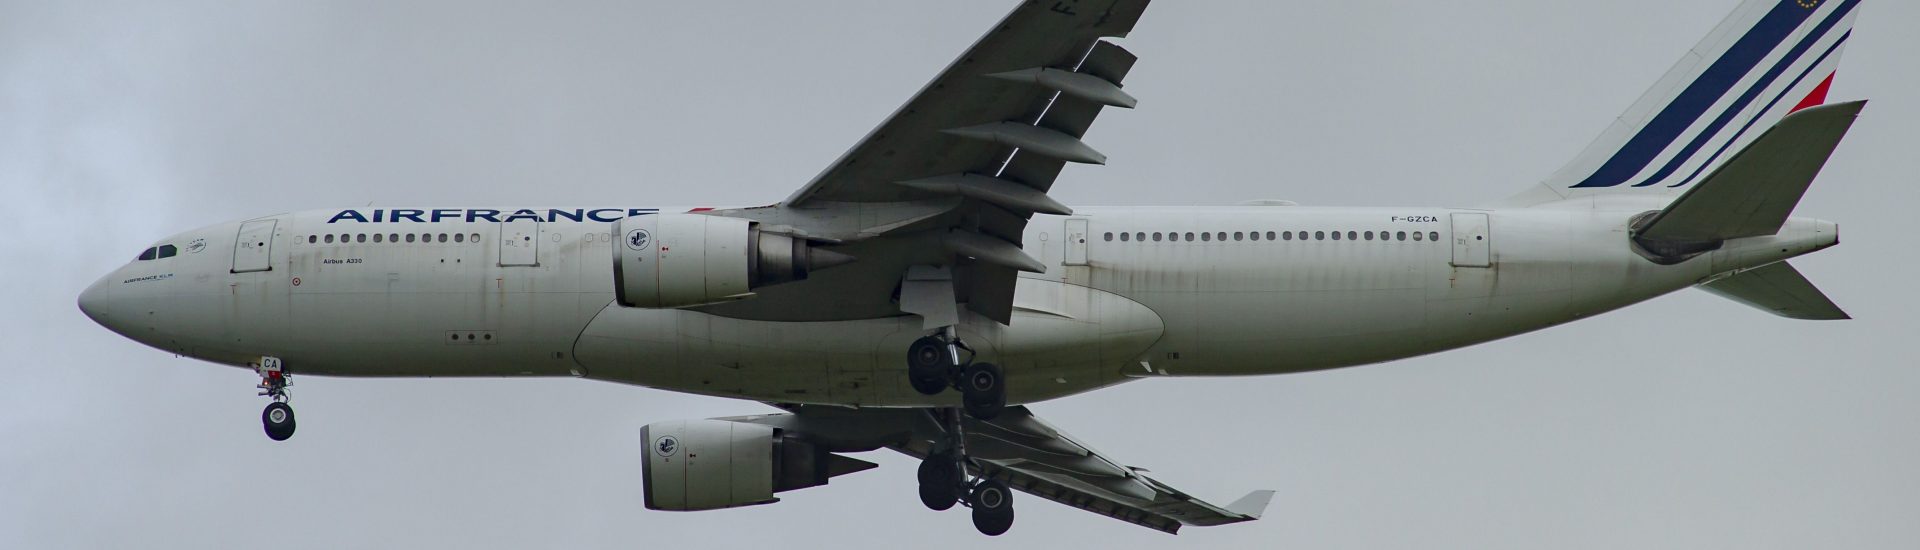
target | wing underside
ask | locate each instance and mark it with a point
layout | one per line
(950, 179)
(1028, 454)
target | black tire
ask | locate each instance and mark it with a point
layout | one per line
(928, 365)
(939, 483)
(984, 390)
(992, 503)
(278, 421)
(928, 385)
(939, 498)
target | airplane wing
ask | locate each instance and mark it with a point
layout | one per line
(951, 178)
(1028, 454)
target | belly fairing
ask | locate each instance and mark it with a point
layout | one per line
(1064, 339)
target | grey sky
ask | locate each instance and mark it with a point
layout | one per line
(1687, 422)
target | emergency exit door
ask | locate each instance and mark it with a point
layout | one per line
(1076, 251)
(253, 246)
(519, 243)
(1472, 242)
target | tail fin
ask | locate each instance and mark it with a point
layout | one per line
(1768, 59)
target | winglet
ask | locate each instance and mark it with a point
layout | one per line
(1252, 505)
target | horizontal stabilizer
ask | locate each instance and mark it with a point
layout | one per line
(1779, 289)
(1753, 194)
(1252, 505)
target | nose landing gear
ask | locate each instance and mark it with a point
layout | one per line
(278, 416)
(934, 363)
(944, 481)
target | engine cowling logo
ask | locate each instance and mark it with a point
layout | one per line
(638, 239)
(666, 445)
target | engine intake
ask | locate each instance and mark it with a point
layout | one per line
(682, 260)
(712, 464)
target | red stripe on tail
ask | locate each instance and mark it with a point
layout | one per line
(1817, 98)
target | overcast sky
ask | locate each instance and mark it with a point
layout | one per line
(1687, 422)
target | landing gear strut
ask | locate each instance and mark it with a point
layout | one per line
(935, 363)
(943, 481)
(278, 416)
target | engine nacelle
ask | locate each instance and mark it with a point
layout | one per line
(682, 260)
(712, 464)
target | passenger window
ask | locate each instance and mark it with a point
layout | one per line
(1156, 236)
(377, 236)
(147, 254)
(1402, 235)
(1140, 236)
(329, 238)
(443, 237)
(409, 237)
(1416, 235)
(1433, 235)
(1353, 236)
(1222, 236)
(1126, 237)
(393, 237)
(1237, 235)
(459, 237)
(1319, 235)
(475, 237)
(1368, 235)
(167, 251)
(1109, 235)
(1189, 236)
(1206, 236)
(361, 238)
(1269, 235)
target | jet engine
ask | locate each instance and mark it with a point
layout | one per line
(712, 464)
(682, 260)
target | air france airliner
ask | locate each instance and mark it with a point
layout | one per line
(923, 288)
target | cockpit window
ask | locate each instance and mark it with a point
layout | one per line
(167, 251)
(148, 254)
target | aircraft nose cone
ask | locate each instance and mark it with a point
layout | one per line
(93, 302)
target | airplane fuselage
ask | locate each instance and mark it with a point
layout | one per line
(1128, 293)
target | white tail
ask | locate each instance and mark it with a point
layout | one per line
(1768, 59)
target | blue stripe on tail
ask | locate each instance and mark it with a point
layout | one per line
(1770, 105)
(1766, 81)
(1665, 128)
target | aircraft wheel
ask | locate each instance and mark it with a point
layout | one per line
(992, 503)
(938, 483)
(984, 388)
(928, 364)
(278, 420)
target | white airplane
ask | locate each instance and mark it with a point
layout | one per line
(923, 287)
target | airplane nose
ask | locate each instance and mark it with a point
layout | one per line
(93, 302)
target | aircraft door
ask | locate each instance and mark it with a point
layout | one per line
(519, 243)
(253, 246)
(1076, 251)
(1472, 242)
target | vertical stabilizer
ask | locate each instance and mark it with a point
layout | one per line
(1768, 59)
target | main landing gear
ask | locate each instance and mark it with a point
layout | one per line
(943, 482)
(934, 363)
(278, 417)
